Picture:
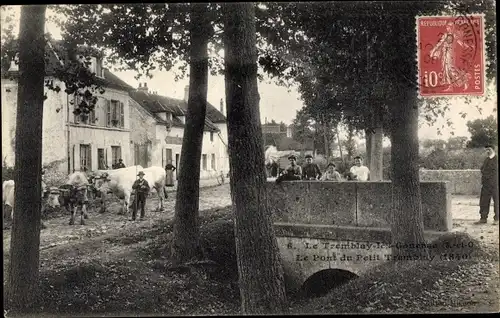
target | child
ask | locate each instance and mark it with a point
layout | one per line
(331, 174)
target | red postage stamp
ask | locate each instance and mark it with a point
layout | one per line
(451, 55)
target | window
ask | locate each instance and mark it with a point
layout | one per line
(212, 136)
(204, 162)
(116, 153)
(90, 119)
(101, 163)
(85, 158)
(213, 162)
(115, 116)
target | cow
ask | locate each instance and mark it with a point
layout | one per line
(51, 197)
(157, 177)
(119, 182)
(73, 195)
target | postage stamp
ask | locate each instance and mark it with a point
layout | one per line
(450, 55)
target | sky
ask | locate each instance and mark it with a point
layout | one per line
(280, 104)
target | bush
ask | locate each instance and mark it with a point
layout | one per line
(453, 160)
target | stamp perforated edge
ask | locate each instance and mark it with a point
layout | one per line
(483, 56)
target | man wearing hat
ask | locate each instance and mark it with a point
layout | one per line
(141, 188)
(292, 172)
(120, 164)
(489, 186)
(310, 171)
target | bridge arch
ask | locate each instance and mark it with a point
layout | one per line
(320, 283)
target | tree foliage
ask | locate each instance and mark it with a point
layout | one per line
(483, 132)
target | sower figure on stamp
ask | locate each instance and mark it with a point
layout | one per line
(489, 186)
(141, 188)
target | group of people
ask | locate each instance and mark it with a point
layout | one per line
(311, 171)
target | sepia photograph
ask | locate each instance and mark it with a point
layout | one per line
(250, 158)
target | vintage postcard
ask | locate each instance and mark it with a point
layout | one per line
(281, 158)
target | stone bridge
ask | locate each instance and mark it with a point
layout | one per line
(329, 232)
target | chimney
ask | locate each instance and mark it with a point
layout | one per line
(143, 88)
(222, 106)
(186, 93)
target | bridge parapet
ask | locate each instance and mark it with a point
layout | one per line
(362, 204)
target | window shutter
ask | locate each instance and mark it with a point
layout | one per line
(76, 101)
(122, 116)
(113, 110)
(108, 113)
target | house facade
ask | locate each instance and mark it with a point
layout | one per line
(70, 142)
(163, 144)
(129, 124)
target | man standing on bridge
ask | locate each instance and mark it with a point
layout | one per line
(310, 171)
(489, 186)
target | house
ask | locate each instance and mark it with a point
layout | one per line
(71, 142)
(130, 124)
(158, 132)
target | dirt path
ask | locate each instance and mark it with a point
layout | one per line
(59, 232)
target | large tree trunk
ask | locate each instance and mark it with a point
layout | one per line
(377, 155)
(25, 240)
(376, 164)
(407, 222)
(261, 280)
(368, 141)
(326, 139)
(186, 238)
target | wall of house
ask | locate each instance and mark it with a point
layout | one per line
(143, 132)
(223, 151)
(167, 140)
(173, 140)
(100, 137)
(54, 131)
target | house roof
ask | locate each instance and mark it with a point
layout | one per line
(54, 54)
(157, 104)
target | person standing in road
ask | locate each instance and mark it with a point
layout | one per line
(141, 187)
(310, 171)
(489, 186)
(169, 169)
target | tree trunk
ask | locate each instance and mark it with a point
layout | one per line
(260, 269)
(25, 240)
(350, 143)
(407, 222)
(339, 142)
(368, 141)
(186, 235)
(376, 164)
(376, 155)
(325, 136)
